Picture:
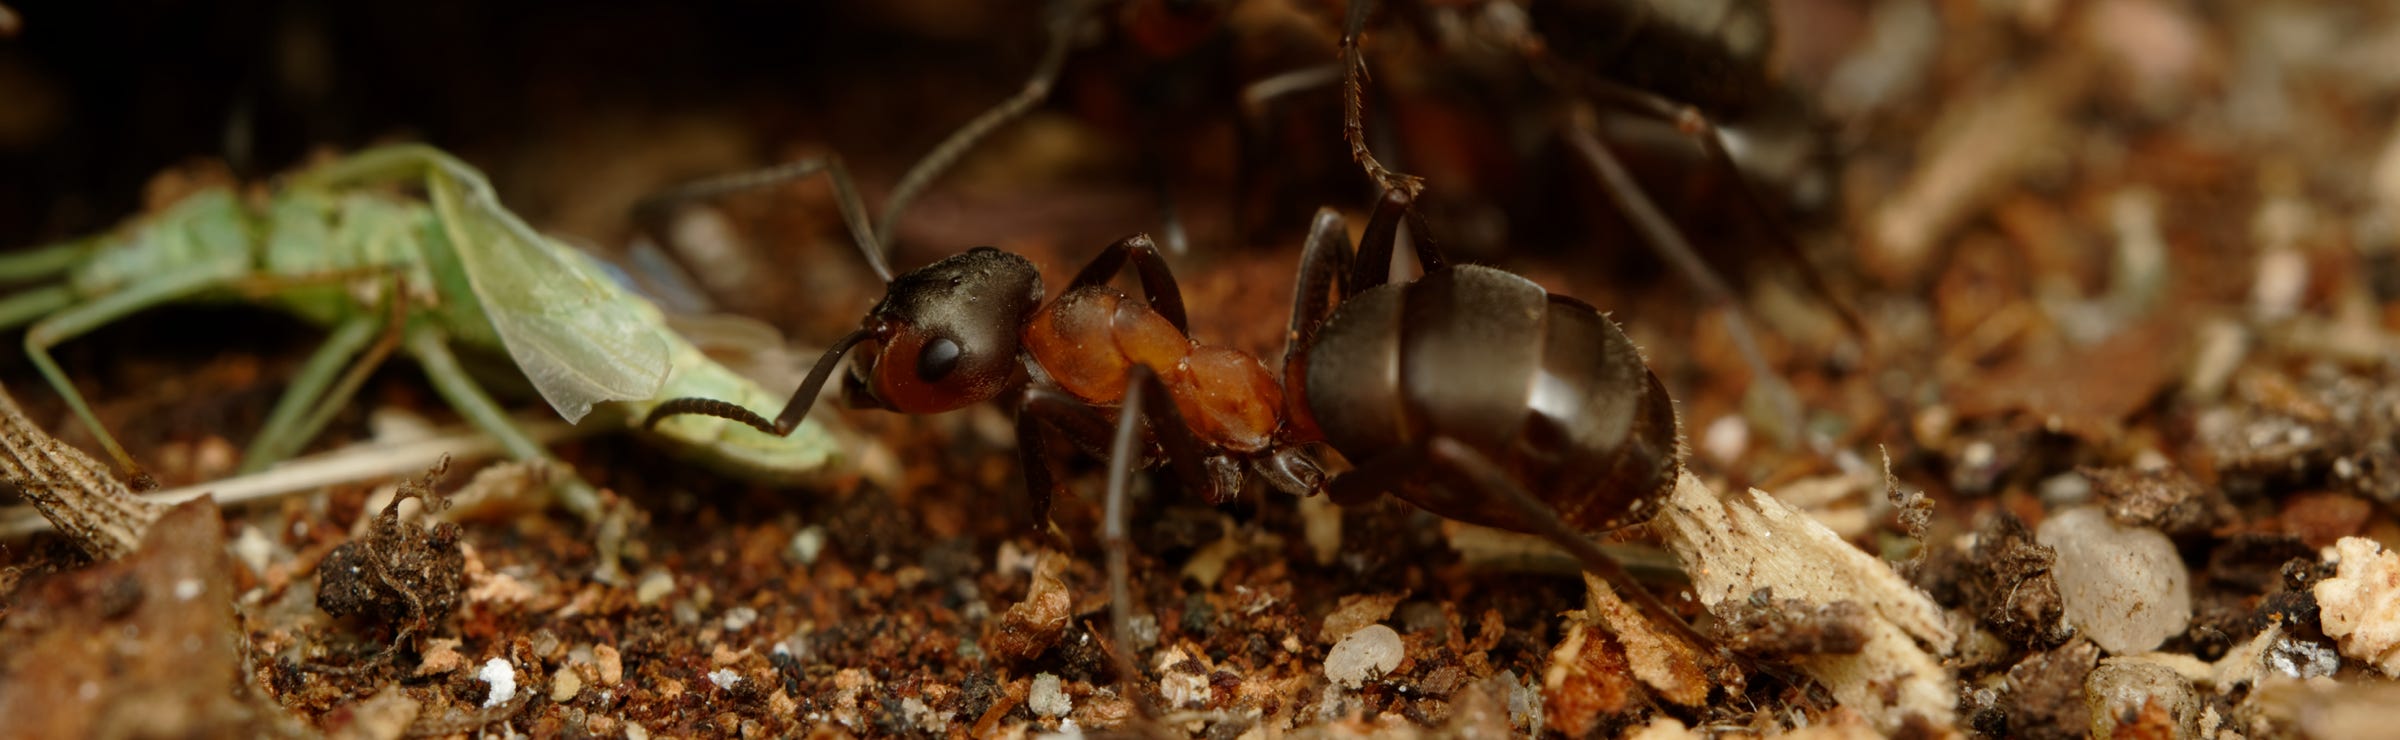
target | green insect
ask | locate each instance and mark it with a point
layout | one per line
(340, 246)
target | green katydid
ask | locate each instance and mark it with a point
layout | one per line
(339, 246)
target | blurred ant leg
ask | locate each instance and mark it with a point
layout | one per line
(431, 348)
(1144, 396)
(1158, 282)
(1354, 106)
(1043, 415)
(653, 213)
(1670, 244)
(1381, 239)
(1704, 134)
(80, 319)
(1324, 280)
(1037, 87)
(794, 410)
(1257, 177)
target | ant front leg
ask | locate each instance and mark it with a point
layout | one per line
(1158, 282)
(1144, 396)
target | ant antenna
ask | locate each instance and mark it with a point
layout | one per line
(794, 410)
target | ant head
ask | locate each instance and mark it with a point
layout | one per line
(946, 333)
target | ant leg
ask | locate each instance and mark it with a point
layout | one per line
(1323, 281)
(1144, 396)
(80, 319)
(1465, 462)
(794, 411)
(1158, 283)
(432, 350)
(1043, 414)
(1354, 130)
(1037, 87)
(653, 212)
(1381, 240)
(1257, 176)
(1669, 243)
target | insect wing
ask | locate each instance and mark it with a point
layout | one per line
(577, 336)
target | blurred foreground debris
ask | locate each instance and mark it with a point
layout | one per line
(75, 492)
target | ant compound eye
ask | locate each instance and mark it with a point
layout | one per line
(939, 358)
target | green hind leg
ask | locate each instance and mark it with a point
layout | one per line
(290, 425)
(80, 319)
(432, 351)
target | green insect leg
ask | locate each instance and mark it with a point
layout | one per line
(432, 351)
(290, 425)
(22, 308)
(80, 319)
(45, 262)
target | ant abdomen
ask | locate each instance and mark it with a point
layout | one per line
(1542, 385)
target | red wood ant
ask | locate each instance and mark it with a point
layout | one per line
(1684, 63)
(1470, 392)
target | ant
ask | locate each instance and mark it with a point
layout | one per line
(1470, 392)
(1636, 69)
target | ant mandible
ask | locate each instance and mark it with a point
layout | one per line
(1470, 392)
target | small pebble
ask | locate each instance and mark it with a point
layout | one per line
(807, 544)
(1369, 653)
(739, 618)
(2360, 604)
(610, 663)
(2124, 587)
(503, 679)
(564, 685)
(2117, 691)
(1049, 698)
(655, 585)
(254, 549)
(1726, 439)
(635, 731)
(725, 678)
